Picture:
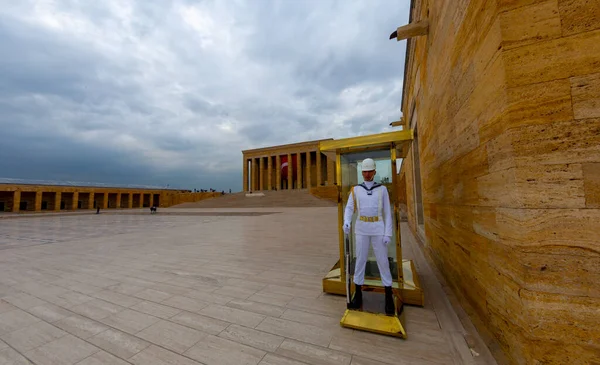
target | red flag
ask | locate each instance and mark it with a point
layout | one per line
(284, 167)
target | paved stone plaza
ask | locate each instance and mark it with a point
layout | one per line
(199, 286)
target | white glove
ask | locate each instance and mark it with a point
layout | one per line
(346, 228)
(387, 240)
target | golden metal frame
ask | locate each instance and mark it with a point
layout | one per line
(366, 142)
(407, 289)
(411, 290)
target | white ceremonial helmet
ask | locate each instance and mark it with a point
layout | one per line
(368, 165)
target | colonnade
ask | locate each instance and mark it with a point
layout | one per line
(63, 199)
(305, 170)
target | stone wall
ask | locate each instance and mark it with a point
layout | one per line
(175, 198)
(325, 192)
(506, 97)
(105, 198)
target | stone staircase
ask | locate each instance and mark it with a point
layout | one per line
(282, 198)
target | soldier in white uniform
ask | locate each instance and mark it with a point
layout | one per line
(373, 226)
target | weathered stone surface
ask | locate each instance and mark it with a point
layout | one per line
(530, 24)
(557, 143)
(509, 155)
(455, 181)
(585, 91)
(540, 103)
(556, 227)
(482, 110)
(575, 319)
(500, 153)
(579, 16)
(534, 186)
(504, 5)
(548, 350)
(490, 45)
(591, 182)
(565, 270)
(555, 59)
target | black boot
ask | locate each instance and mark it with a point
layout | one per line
(390, 309)
(356, 301)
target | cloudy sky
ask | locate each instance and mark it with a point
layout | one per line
(171, 91)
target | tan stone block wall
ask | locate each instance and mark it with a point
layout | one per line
(407, 168)
(507, 102)
(53, 195)
(591, 184)
(325, 192)
(168, 199)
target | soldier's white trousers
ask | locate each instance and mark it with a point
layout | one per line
(362, 252)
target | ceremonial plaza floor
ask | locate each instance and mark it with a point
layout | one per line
(200, 286)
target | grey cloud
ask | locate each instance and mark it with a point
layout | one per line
(201, 106)
(175, 143)
(135, 93)
(28, 65)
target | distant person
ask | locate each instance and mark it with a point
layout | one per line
(98, 210)
(153, 209)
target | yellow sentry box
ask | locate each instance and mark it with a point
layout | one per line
(385, 149)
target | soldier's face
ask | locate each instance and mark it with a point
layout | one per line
(368, 175)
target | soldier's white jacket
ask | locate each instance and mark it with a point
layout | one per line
(376, 204)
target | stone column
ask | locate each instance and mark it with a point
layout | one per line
(105, 201)
(261, 173)
(91, 201)
(118, 201)
(254, 172)
(57, 200)
(270, 173)
(308, 177)
(290, 182)
(327, 177)
(130, 200)
(74, 203)
(16, 201)
(151, 199)
(278, 172)
(245, 183)
(330, 171)
(299, 174)
(319, 168)
(141, 200)
(37, 205)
